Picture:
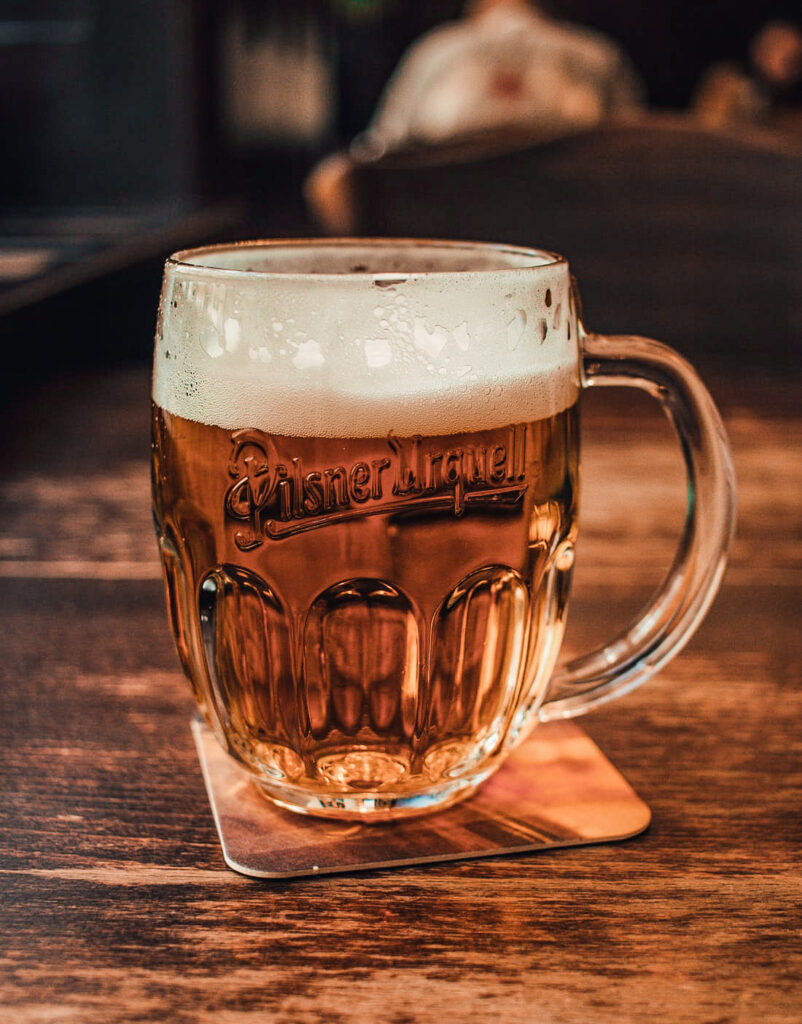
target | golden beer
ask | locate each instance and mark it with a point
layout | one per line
(356, 613)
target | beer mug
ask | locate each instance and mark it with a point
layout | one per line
(365, 480)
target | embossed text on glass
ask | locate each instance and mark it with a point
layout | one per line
(278, 496)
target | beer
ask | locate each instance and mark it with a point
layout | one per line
(365, 494)
(356, 613)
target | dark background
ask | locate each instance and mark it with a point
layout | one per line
(123, 102)
(121, 142)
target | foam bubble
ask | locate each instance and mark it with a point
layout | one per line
(462, 351)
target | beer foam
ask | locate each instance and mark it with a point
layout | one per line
(369, 347)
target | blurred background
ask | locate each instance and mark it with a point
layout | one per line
(138, 127)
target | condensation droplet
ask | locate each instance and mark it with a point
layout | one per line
(462, 337)
(429, 342)
(515, 329)
(210, 343)
(377, 352)
(231, 331)
(308, 355)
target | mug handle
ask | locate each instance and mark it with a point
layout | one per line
(668, 622)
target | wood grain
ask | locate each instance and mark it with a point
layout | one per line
(116, 903)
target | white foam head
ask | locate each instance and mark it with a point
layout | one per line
(359, 338)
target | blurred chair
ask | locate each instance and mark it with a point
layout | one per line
(673, 230)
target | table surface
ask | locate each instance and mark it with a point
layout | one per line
(117, 906)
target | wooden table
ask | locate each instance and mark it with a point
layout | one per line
(117, 907)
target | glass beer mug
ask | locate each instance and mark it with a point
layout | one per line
(365, 480)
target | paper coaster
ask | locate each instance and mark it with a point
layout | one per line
(557, 789)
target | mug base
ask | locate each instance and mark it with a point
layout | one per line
(372, 806)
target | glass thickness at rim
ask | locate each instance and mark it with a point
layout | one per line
(459, 258)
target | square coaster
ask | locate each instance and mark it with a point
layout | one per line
(557, 789)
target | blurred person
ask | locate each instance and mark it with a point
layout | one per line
(777, 54)
(506, 64)
(730, 93)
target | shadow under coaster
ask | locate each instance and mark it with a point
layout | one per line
(557, 789)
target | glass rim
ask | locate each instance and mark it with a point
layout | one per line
(541, 259)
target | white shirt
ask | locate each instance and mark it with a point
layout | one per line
(510, 66)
